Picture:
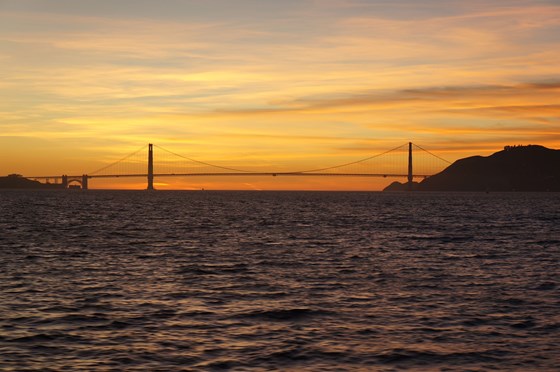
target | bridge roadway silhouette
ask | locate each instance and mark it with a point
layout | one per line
(83, 179)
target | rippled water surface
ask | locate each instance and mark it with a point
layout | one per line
(169, 281)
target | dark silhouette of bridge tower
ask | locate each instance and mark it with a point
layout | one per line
(150, 167)
(410, 175)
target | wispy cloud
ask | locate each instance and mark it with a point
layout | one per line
(233, 79)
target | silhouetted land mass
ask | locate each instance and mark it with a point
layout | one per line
(516, 168)
(16, 181)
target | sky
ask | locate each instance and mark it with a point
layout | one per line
(272, 84)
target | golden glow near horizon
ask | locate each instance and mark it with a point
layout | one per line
(272, 83)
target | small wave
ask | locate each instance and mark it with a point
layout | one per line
(368, 332)
(550, 327)
(284, 314)
(114, 325)
(424, 357)
(359, 299)
(163, 314)
(475, 322)
(431, 330)
(514, 301)
(275, 294)
(196, 270)
(529, 323)
(46, 337)
(48, 350)
(546, 286)
(42, 337)
(291, 356)
(77, 318)
(60, 309)
(548, 242)
(117, 324)
(196, 313)
(218, 365)
(279, 263)
(488, 256)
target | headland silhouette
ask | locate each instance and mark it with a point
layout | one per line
(515, 168)
(16, 181)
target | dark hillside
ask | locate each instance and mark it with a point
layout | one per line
(15, 181)
(517, 168)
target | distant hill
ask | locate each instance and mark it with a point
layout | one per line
(516, 168)
(15, 181)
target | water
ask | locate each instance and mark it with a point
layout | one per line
(108, 280)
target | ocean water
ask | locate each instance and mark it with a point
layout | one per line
(291, 281)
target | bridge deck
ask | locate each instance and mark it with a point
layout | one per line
(246, 174)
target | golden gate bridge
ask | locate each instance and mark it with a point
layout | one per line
(405, 161)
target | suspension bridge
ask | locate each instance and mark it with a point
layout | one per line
(408, 161)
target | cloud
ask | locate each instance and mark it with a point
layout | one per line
(295, 79)
(446, 97)
(542, 114)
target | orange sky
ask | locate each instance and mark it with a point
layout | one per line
(277, 85)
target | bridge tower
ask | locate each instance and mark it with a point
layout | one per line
(64, 181)
(85, 182)
(410, 166)
(150, 167)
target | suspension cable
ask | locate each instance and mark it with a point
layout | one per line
(351, 163)
(201, 162)
(434, 155)
(118, 161)
(248, 171)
